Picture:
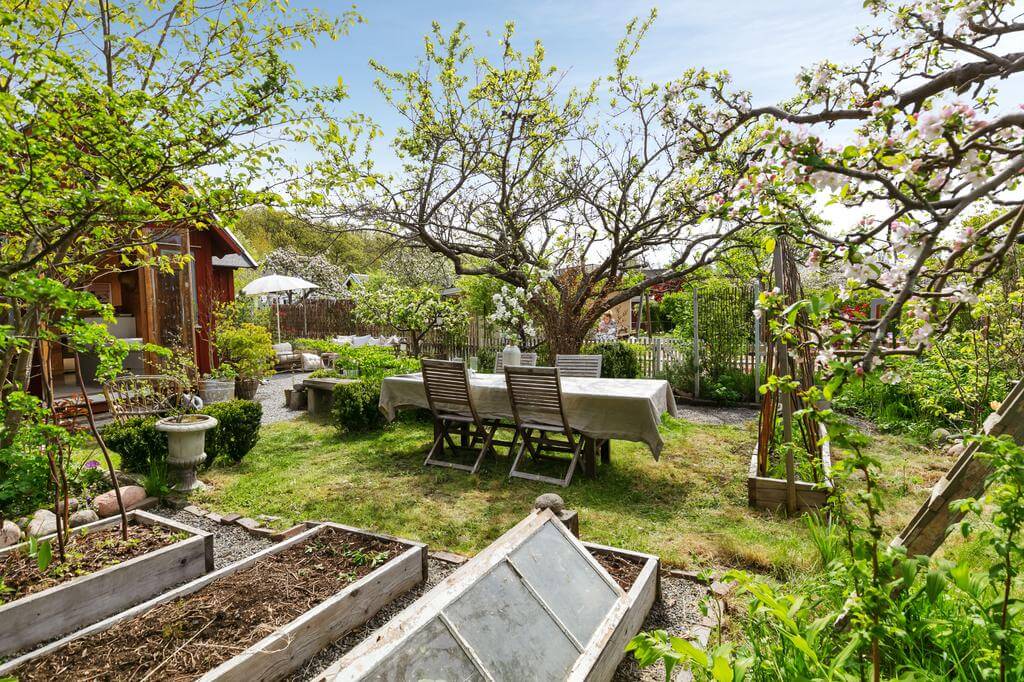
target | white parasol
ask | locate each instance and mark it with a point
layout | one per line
(274, 284)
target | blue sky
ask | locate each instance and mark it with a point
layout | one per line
(762, 43)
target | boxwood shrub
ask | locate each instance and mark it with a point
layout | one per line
(355, 405)
(619, 360)
(139, 443)
(237, 430)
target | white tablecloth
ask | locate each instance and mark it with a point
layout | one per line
(624, 409)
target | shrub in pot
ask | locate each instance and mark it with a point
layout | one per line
(246, 348)
(137, 441)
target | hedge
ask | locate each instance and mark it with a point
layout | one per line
(619, 360)
(139, 443)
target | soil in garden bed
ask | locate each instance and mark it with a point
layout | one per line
(624, 569)
(185, 638)
(86, 551)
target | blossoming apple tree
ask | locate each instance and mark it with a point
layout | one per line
(914, 142)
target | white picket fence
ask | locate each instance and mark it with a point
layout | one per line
(659, 352)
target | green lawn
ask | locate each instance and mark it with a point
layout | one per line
(690, 507)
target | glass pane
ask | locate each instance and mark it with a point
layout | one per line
(510, 632)
(566, 581)
(430, 654)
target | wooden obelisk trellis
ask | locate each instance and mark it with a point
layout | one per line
(966, 478)
(763, 490)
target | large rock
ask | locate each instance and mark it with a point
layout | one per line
(10, 534)
(106, 504)
(82, 517)
(44, 522)
(72, 506)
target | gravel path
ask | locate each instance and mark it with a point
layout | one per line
(718, 416)
(230, 543)
(271, 395)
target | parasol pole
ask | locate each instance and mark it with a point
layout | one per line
(277, 303)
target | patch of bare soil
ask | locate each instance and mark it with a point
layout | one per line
(85, 552)
(624, 569)
(185, 638)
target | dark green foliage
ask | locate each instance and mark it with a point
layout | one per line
(24, 481)
(140, 444)
(619, 360)
(355, 405)
(237, 430)
(137, 441)
(487, 357)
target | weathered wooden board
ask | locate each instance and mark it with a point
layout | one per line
(290, 646)
(84, 600)
(599, 662)
(764, 492)
(966, 478)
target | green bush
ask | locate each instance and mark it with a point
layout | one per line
(355, 405)
(378, 361)
(137, 441)
(141, 445)
(24, 480)
(237, 430)
(247, 348)
(619, 360)
(486, 358)
(325, 374)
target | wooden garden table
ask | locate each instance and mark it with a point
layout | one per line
(599, 409)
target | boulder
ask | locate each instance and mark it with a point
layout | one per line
(940, 435)
(72, 506)
(106, 504)
(10, 534)
(44, 522)
(82, 517)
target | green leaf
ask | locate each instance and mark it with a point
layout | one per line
(44, 555)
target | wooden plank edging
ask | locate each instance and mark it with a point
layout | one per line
(86, 599)
(407, 569)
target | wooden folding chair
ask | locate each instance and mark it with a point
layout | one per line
(525, 360)
(446, 383)
(579, 365)
(535, 394)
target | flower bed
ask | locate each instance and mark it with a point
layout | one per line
(259, 618)
(101, 576)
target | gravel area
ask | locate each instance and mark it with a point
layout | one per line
(230, 543)
(271, 395)
(678, 613)
(732, 416)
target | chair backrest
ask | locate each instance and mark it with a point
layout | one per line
(535, 394)
(446, 383)
(525, 360)
(142, 395)
(579, 365)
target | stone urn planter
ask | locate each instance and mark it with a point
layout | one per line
(245, 389)
(216, 390)
(186, 447)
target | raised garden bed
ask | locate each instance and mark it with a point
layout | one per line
(535, 604)
(765, 492)
(258, 619)
(101, 577)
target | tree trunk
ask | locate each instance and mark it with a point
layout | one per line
(564, 331)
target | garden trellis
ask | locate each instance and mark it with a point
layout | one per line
(804, 435)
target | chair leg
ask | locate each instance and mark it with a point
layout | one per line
(433, 448)
(484, 449)
(572, 464)
(515, 462)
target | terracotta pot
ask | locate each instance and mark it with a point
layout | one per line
(245, 389)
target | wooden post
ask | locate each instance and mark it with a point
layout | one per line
(782, 363)
(696, 348)
(757, 340)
